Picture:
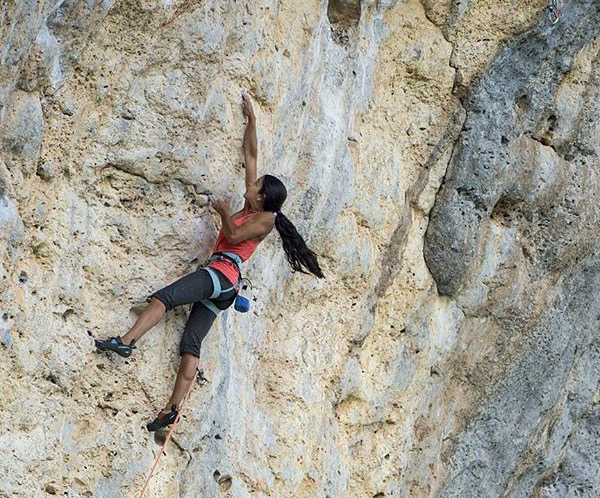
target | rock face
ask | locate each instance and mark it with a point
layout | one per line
(441, 159)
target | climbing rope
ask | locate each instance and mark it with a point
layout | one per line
(199, 375)
(553, 11)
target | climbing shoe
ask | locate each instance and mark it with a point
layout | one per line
(163, 419)
(115, 344)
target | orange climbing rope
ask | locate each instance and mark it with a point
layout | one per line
(169, 434)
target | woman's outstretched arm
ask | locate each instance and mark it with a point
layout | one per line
(249, 144)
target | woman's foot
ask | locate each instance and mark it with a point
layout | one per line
(163, 419)
(116, 344)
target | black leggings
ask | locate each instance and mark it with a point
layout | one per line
(194, 288)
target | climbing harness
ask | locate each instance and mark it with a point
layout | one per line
(217, 290)
(242, 301)
(170, 433)
(231, 256)
(553, 11)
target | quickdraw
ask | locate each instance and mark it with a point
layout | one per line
(553, 11)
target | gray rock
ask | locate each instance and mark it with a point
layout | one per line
(9, 216)
(46, 170)
(513, 98)
(68, 107)
(577, 473)
(515, 186)
(368, 383)
(6, 339)
(544, 404)
(18, 29)
(22, 129)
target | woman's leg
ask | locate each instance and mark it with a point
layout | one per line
(185, 376)
(196, 328)
(188, 289)
(198, 324)
(148, 319)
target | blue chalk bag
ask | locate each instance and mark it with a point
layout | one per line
(242, 301)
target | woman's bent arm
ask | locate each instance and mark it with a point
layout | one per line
(254, 228)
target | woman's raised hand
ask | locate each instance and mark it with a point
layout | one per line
(247, 105)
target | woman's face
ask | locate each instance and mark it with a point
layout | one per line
(252, 193)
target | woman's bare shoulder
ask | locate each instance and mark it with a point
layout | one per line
(240, 214)
(266, 217)
(267, 220)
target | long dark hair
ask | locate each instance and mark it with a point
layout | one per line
(298, 254)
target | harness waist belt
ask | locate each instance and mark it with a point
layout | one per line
(231, 256)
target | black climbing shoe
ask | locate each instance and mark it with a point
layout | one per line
(163, 419)
(115, 344)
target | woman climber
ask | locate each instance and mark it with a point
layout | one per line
(214, 287)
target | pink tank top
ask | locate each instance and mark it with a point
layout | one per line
(243, 249)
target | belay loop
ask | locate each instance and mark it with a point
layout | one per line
(553, 11)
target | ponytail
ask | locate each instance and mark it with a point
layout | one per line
(299, 256)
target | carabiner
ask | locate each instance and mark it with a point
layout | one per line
(553, 11)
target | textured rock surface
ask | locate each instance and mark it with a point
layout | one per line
(442, 160)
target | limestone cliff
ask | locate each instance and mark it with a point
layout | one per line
(441, 159)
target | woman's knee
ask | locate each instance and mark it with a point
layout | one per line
(158, 305)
